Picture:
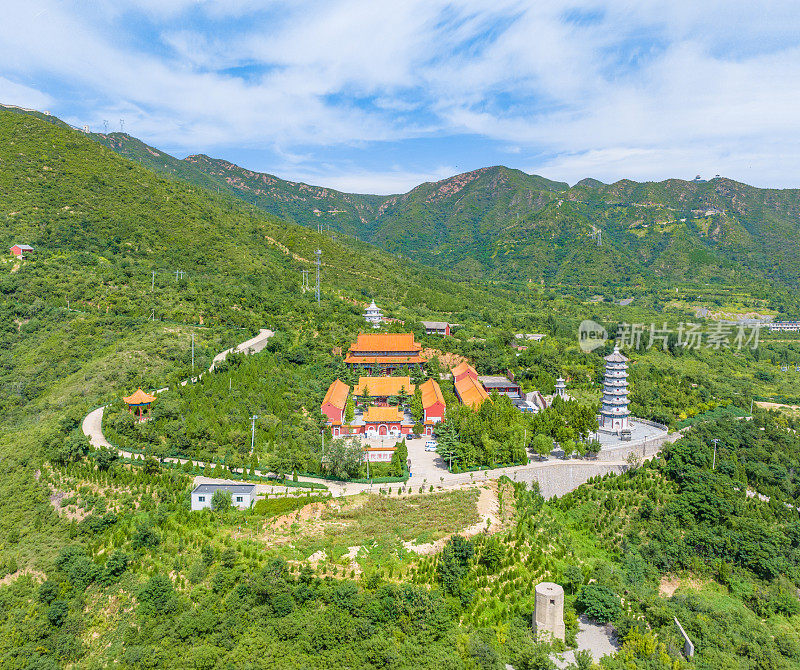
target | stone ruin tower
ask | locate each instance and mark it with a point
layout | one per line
(548, 618)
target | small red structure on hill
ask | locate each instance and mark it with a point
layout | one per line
(21, 250)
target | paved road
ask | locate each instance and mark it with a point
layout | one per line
(251, 346)
(93, 428)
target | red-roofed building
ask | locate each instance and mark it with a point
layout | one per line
(433, 404)
(471, 392)
(335, 402)
(464, 370)
(387, 421)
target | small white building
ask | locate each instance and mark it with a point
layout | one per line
(373, 315)
(242, 495)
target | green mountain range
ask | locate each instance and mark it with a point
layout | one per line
(501, 223)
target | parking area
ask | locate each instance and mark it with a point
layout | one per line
(425, 465)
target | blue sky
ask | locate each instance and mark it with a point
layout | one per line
(375, 96)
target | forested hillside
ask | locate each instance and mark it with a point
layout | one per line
(504, 224)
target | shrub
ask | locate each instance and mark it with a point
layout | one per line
(57, 613)
(598, 602)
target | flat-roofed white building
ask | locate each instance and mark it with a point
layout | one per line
(242, 495)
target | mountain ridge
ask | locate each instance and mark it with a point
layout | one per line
(499, 223)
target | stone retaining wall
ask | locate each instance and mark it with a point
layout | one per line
(559, 480)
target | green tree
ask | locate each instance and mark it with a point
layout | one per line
(105, 458)
(417, 411)
(542, 445)
(221, 500)
(598, 602)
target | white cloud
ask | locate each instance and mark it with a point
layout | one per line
(12, 93)
(640, 86)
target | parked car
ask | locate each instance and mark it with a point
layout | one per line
(414, 436)
(431, 445)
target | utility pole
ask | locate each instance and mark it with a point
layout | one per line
(751, 408)
(153, 285)
(714, 462)
(318, 254)
(192, 353)
(253, 433)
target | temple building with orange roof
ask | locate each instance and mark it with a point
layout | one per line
(464, 370)
(385, 421)
(433, 404)
(139, 403)
(386, 352)
(335, 401)
(380, 389)
(471, 392)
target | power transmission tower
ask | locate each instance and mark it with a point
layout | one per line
(318, 254)
(305, 286)
(122, 125)
(105, 126)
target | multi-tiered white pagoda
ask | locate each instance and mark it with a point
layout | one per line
(561, 388)
(614, 414)
(373, 315)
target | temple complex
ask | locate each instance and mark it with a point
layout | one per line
(614, 414)
(385, 352)
(381, 419)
